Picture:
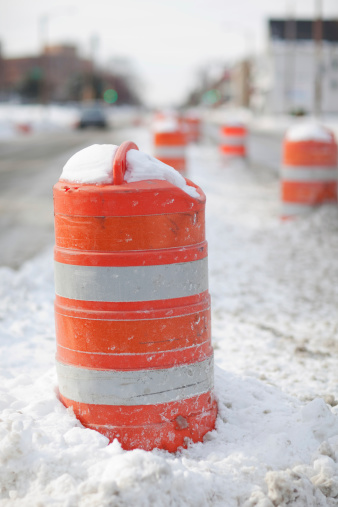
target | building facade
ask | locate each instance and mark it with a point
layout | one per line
(52, 71)
(301, 67)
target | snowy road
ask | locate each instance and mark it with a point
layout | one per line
(274, 289)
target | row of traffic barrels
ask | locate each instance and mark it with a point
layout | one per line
(172, 134)
(308, 172)
(308, 169)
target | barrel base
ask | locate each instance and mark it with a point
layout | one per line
(169, 436)
(166, 426)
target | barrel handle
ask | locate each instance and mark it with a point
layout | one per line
(119, 163)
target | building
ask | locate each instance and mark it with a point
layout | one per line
(51, 72)
(300, 70)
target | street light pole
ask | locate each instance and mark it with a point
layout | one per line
(318, 37)
(289, 62)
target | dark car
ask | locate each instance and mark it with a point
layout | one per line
(92, 117)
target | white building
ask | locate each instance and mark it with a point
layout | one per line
(289, 69)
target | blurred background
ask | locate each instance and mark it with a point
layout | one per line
(73, 73)
(258, 54)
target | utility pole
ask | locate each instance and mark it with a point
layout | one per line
(318, 38)
(44, 58)
(289, 65)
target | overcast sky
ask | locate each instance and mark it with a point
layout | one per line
(167, 40)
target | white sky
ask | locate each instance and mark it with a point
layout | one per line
(167, 40)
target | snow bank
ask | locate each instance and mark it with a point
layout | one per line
(308, 131)
(94, 165)
(267, 446)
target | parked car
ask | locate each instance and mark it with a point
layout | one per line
(92, 117)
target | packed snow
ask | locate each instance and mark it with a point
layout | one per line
(94, 164)
(141, 166)
(274, 303)
(308, 131)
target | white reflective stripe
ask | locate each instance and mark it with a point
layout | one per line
(95, 316)
(169, 151)
(123, 354)
(232, 140)
(140, 387)
(131, 283)
(290, 209)
(306, 173)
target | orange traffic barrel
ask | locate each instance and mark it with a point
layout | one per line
(233, 140)
(193, 128)
(170, 143)
(309, 169)
(132, 309)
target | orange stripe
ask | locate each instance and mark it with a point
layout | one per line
(234, 131)
(142, 361)
(97, 310)
(170, 139)
(151, 197)
(309, 193)
(132, 258)
(233, 150)
(310, 153)
(129, 233)
(132, 336)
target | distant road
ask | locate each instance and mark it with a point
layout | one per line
(29, 167)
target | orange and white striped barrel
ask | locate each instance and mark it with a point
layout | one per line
(170, 148)
(233, 140)
(193, 128)
(309, 169)
(132, 310)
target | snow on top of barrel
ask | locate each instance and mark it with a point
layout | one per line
(141, 166)
(166, 125)
(94, 164)
(308, 131)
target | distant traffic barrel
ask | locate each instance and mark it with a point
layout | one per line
(309, 169)
(132, 310)
(233, 138)
(170, 142)
(192, 124)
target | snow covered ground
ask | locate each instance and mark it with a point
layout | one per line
(274, 288)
